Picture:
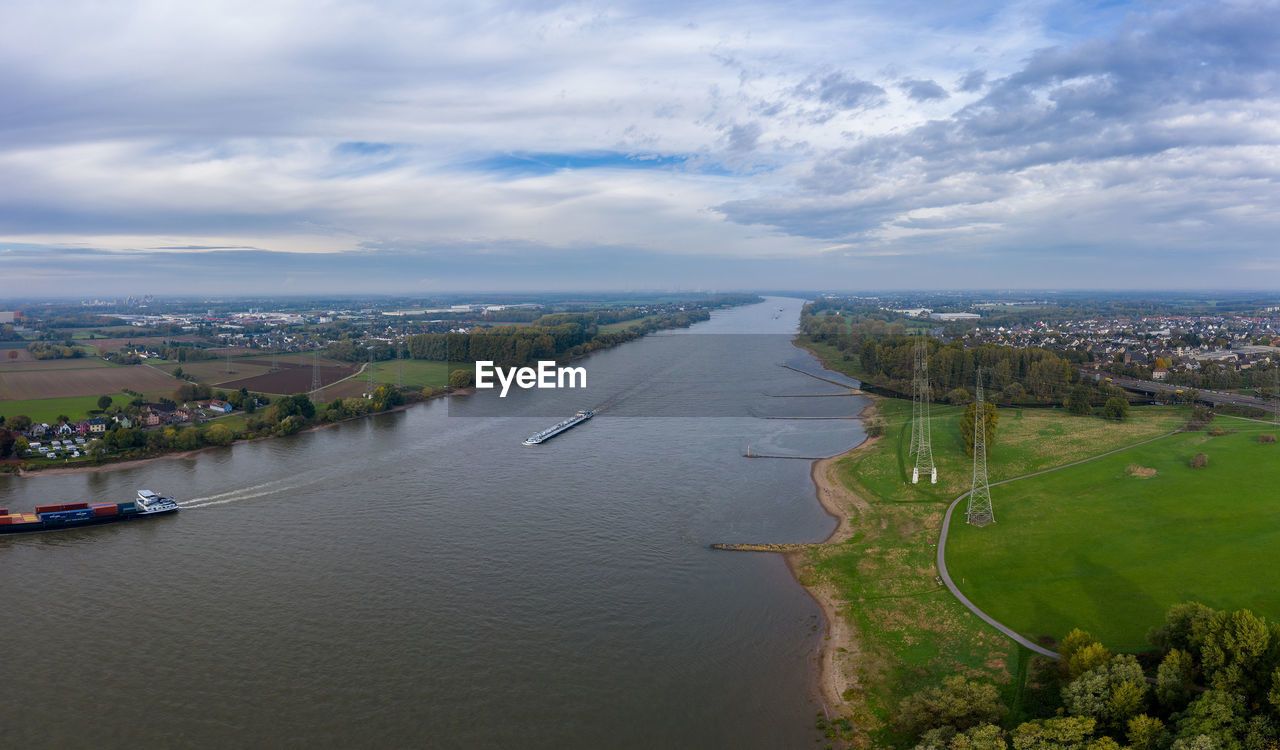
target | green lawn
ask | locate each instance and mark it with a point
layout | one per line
(417, 373)
(76, 407)
(1096, 547)
(1026, 440)
(48, 409)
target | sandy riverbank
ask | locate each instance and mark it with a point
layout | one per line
(839, 646)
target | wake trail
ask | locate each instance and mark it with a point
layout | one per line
(237, 498)
(229, 493)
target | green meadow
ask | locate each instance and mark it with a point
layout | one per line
(48, 409)
(1109, 545)
(910, 630)
(416, 373)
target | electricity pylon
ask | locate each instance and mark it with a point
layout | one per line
(920, 425)
(916, 357)
(979, 511)
(315, 371)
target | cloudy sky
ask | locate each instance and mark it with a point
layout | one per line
(395, 146)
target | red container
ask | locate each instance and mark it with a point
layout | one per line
(105, 510)
(4, 511)
(48, 508)
(5, 520)
(76, 506)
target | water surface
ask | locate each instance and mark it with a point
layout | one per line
(421, 579)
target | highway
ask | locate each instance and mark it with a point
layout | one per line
(1214, 398)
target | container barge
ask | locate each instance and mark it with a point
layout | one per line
(559, 427)
(75, 515)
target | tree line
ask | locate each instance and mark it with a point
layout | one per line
(1212, 682)
(883, 356)
(552, 337)
(46, 350)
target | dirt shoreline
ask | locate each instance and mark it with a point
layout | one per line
(839, 644)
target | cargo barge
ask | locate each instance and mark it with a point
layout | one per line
(556, 429)
(75, 515)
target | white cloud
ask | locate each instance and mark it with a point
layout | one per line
(885, 129)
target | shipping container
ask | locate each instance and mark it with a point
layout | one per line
(4, 511)
(30, 518)
(48, 508)
(105, 510)
(5, 520)
(76, 506)
(128, 507)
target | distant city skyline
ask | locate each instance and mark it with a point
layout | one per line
(288, 148)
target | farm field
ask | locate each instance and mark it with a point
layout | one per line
(214, 371)
(417, 373)
(290, 378)
(1108, 545)
(20, 386)
(113, 344)
(15, 353)
(37, 365)
(49, 409)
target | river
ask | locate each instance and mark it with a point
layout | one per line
(421, 579)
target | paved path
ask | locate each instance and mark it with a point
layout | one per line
(946, 528)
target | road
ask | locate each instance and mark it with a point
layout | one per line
(1215, 398)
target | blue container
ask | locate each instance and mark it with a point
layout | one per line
(128, 507)
(59, 515)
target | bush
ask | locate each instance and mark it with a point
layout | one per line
(1199, 461)
(1116, 408)
(958, 703)
(873, 427)
(463, 378)
(1266, 438)
(1201, 416)
(219, 434)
